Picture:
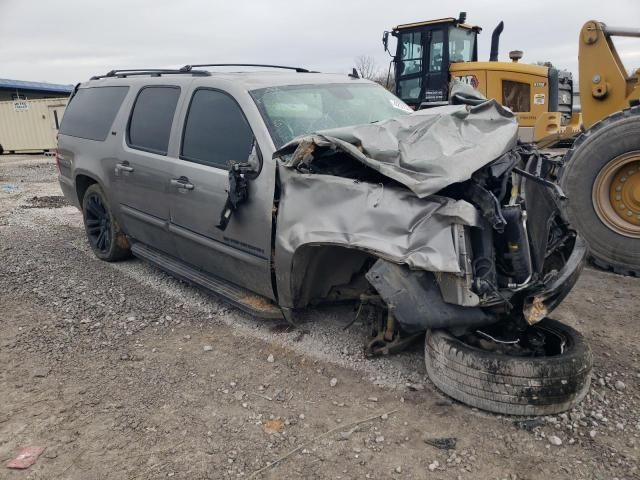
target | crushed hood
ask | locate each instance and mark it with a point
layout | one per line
(425, 151)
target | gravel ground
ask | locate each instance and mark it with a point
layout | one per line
(120, 371)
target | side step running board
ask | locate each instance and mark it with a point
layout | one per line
(242, 298)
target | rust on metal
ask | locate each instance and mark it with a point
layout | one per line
(535, 311)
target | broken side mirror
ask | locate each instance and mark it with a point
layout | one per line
(240, 174)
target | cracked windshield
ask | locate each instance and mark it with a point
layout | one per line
(291, 111)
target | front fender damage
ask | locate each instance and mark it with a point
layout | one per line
(387, 221)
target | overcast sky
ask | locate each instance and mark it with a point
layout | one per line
(67, 41)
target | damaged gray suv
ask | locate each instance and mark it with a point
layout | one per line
(279, 190)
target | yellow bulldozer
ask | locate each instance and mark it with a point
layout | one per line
(600, 173)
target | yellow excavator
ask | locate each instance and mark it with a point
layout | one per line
(430, 54)
(601, 172)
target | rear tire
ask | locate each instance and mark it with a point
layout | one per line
(506, 384)
(604, 142)
(104, 235)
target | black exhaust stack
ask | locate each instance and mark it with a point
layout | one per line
(495, 42)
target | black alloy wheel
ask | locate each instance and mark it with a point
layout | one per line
(98, 223)
(105, 237)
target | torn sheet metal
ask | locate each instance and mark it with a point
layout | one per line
(387, 221)
(425, 151)
(465, 94)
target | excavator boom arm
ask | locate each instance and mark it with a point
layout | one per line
(605, 86)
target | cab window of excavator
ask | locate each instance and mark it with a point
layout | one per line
(461, 44)
(410, 53)
(436, 49)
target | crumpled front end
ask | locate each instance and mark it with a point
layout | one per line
(517, 263)
(438, 218)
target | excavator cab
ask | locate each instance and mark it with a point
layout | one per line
(432, 53)
(424, 52)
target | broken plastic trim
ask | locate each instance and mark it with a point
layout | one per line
(417, 302)
(538, 306)
(552, 186)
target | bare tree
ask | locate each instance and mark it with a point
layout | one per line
(387, 79)
(366, 67)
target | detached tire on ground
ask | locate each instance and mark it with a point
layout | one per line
(601, 178)
(105, 237)
(507, 384)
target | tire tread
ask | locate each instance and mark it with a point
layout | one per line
(511, 385)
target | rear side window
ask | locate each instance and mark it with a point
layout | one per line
(216, 132)
(91, 112)
(151, 119)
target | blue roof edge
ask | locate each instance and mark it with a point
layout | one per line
(36, 86)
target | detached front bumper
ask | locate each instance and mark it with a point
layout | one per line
(417, 302)
(540, 304)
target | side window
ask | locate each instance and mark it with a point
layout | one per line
(461, 44)
(151, 119)
(216, 132)
(91, 112)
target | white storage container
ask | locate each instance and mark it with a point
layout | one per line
(30, 125)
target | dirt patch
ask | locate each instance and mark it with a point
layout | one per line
(47, 201)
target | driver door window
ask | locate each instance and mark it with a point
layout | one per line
(216, 132)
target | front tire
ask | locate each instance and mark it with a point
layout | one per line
(104, 235)
(511, 385)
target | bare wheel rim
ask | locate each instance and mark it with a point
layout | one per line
(616, 194)
(98, 222)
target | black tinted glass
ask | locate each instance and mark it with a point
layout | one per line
(91, 112)
(151, 119)
(216, 132)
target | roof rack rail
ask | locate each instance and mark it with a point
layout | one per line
(187, 68)
(154, 72)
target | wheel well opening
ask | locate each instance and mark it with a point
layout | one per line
(329, 273)
(82, 183)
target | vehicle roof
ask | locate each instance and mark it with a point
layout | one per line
(446, 20)
(246, 80)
